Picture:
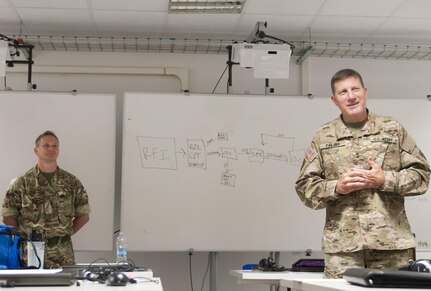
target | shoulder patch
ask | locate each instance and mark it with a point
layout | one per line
(309, 153)
(9, 194)
(409, 144)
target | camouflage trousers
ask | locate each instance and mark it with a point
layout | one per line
(336, 264)
(58, 252)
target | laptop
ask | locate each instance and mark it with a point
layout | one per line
(387, 278)
(16, 280)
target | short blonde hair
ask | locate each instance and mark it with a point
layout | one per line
(46, 133)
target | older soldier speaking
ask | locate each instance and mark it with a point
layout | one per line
(360, 167)
(49, 200)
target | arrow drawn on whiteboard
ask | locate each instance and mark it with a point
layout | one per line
(182, 152)
(226, 166)
(262, 137)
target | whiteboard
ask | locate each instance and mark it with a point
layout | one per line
(415, 115)
(217, 172)
(85, 126)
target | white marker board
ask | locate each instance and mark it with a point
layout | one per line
(85, 126)
(217, 172)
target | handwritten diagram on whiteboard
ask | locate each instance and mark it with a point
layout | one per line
(162, 153)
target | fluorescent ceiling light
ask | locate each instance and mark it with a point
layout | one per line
(206, 6)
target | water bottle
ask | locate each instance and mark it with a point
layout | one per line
(121, 248)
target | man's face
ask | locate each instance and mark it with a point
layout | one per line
(48, 149)
(351, 97)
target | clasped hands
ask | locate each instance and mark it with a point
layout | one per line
(359, 179)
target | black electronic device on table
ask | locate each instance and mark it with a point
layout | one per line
(269, 265)
(117, 279)
(387, 278)
(101, 269)
(308, 265)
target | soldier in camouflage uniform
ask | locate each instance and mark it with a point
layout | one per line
(360, 167)
(48, 199)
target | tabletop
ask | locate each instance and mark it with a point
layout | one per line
(260, 277)
(143, 281)
(142, 285)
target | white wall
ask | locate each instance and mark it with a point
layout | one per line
(384, 79)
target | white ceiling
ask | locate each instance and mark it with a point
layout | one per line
(360, 21)
(389, 29)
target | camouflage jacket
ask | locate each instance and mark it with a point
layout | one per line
(46, 206)
(365, 219)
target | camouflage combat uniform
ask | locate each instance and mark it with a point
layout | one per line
(48, 206)
(371, 219)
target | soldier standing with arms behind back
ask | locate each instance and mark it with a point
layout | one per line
(50, 200)
(360, 167)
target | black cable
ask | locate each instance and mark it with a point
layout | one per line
(219, 79)
(98, 273)
(190, 270)
(35, 253)
(33, 248)
(263, 35)
(6, 38)
(126, 266)
(102, 259)
(206, 271)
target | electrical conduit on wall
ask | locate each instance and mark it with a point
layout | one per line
(180, 73)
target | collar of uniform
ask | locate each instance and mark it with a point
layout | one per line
(341, 131)
(38, 172)
(370, 127)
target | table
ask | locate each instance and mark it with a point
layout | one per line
(142, 284)
(310, 284)
(272, 278)
(298, 284)
(94, 286)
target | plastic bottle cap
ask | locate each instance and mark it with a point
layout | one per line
(36, 235)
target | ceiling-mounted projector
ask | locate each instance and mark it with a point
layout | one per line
(268, 60)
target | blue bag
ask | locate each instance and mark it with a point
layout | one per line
(10, 253)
